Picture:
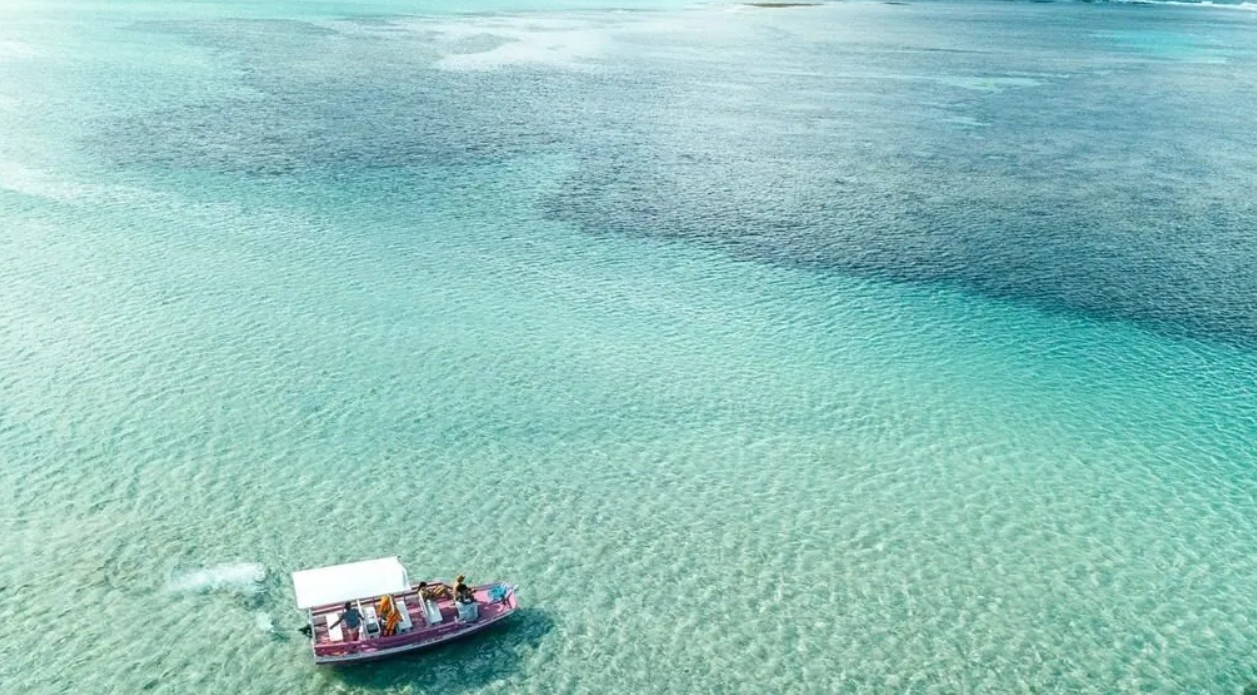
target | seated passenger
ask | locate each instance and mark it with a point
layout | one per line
(394, 621)
(462, 592)
(387, 613)
(432, 591)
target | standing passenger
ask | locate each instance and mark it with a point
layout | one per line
(352, 619)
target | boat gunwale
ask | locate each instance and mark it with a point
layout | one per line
(418, 638)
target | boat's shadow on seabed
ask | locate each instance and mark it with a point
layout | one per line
(467, 664)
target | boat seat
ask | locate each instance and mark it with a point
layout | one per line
(431, 612)
(370, 621)
(403, 625)
(334, 634)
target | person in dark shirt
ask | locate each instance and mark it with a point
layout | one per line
(352, 619)
(462, 592)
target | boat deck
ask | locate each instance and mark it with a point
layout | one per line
(332, 647)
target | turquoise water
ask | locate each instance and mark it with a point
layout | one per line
(859, 348)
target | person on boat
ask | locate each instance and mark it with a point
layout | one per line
(393, 622)
(352, 618)
(384, 606)
(387, 612)
(432, 591)
(462, 592)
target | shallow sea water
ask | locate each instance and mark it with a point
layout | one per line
(855, 348)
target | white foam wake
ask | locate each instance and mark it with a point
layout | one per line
(238, 577)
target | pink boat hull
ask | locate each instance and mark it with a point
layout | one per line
(422, 635)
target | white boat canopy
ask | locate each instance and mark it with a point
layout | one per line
(340, 583)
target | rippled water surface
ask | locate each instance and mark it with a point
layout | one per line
(851, 348)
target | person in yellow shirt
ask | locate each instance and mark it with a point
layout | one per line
(387, 612)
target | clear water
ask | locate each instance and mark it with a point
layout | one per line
(855, 348)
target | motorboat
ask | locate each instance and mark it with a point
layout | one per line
(396, 616)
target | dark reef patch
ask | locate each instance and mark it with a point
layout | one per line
(1089, 180)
